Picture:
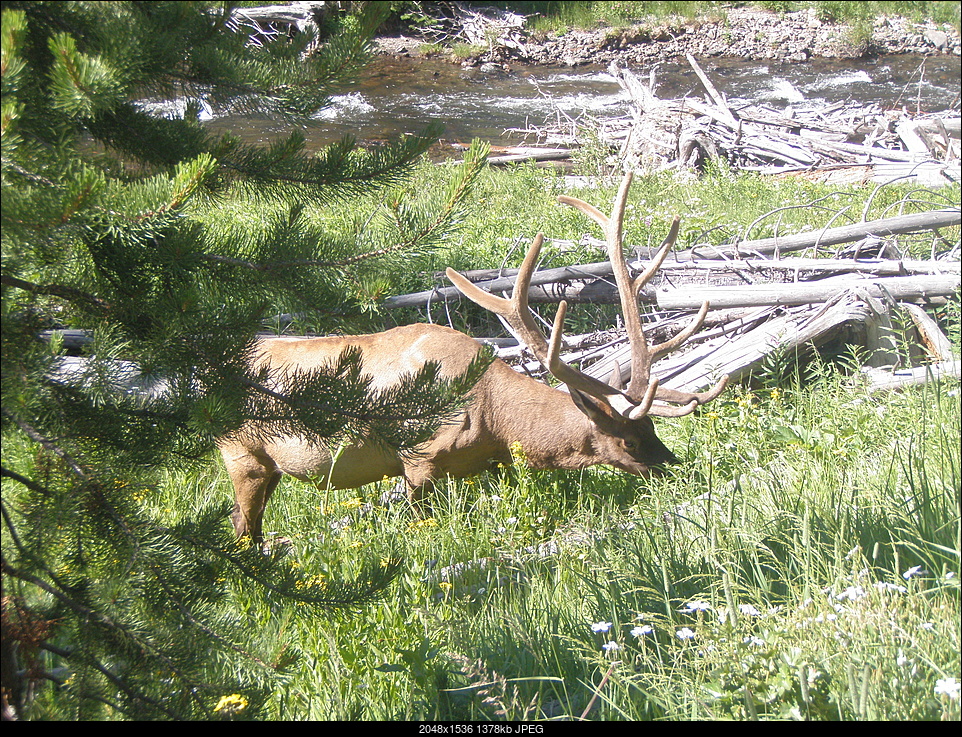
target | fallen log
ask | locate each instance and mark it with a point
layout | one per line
(801, 267)
(880, 379)
(898, 288)
(737, 355)
(522, 154)
(901, 224)
(931, 220)
(937, 345)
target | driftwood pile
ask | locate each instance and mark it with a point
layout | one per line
(764, 303)
(661, 134)
(267, 23)
(844, 142)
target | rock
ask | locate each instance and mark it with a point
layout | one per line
(939, 39)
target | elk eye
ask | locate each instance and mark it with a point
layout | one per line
(630, 445)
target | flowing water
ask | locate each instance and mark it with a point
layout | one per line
(400, 95)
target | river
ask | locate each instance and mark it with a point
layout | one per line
(399, 95)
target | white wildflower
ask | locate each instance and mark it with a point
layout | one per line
(948, 687)
(601, 626)
(851, 593)
(886, 586)
(685, 634)
(643, 630)
(611, 646)
(912, 572)
(748, 610)
(696, 606)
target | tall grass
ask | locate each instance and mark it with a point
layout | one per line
(801, 562)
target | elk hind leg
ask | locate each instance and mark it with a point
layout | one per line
(254, 476)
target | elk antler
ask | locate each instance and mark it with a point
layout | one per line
(516, 313)
(642, 388)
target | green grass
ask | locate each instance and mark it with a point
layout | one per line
(801, 506)
(564, 16)
(511, 206)
(809, 542)
(803, 509)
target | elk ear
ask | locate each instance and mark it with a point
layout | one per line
(615, 379)
(600, 413)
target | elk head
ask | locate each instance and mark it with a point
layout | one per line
(620, 414)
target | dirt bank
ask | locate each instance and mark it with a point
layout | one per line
(741, 33)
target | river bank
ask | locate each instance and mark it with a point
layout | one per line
(742, 33)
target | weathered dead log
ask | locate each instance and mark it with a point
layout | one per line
(266, 22)
(538, 294)
(932, 220)
(715, 95)
(737, 355)
(522, 154)
(802, 268)
(900, 288)
(805, 268)
(880, 379)
(936, 343)
(782, 244)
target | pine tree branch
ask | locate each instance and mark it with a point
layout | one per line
(158, 577)
(12, 529)
(124, 631)
(91, 615)
(347, 598)
(65, 655)
(186, 614)
(267, 267)
(23, 480)
(54, 290)
(49, 445)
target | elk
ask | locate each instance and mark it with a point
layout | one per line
(589, 423)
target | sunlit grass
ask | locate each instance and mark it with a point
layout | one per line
(802, 561)
(810, 573)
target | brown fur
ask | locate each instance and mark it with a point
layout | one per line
(505, 407)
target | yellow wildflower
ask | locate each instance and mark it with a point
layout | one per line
(421, 524)
(517, 452)
(231, 705)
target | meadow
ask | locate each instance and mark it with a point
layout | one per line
(800, 563)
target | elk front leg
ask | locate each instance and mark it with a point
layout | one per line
(255, 477)
(419, 480)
